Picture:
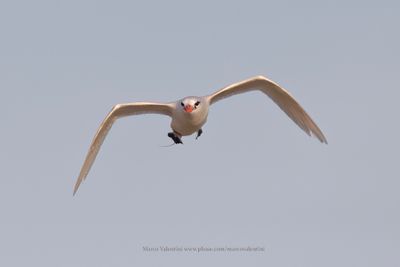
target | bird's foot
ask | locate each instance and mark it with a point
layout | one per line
(175, 138)
(199, 132)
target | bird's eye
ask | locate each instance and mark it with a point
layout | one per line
(197, 103)
(182, 104)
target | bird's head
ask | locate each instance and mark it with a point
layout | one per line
(191, 104)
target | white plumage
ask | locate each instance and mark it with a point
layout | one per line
(190, 114)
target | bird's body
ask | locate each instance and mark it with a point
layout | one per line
(187, 123)
(189, 114)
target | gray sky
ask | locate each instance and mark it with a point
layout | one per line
(245, 182)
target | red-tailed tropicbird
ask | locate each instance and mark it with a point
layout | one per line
(190, 114)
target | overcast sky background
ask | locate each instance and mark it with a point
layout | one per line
(252, 179)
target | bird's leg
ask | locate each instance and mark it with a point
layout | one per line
(175, 137)
(199, 132)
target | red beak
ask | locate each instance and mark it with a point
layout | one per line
(188, 108)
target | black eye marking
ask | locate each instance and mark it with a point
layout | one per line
(197, 103)
(182, 104)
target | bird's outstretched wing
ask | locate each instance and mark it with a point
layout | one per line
(279, 95)
(118, 111)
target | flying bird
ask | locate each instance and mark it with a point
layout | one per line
(188, 115)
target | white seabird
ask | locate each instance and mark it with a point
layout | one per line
(190, 114)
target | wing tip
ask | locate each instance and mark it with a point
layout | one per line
(322, 139)
(319, 135)
(76, 187)
(74, 192)
(325, 141)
